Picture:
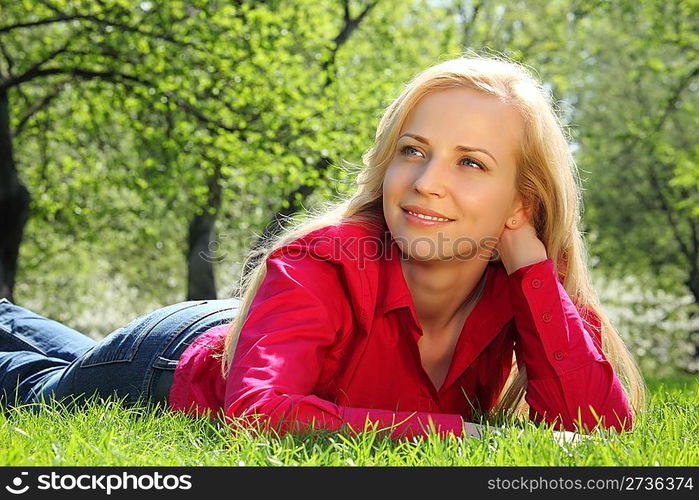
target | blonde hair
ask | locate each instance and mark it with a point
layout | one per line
(547, 180)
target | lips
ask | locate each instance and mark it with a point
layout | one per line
(424, 211)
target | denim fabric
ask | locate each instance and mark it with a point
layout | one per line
(41, 359)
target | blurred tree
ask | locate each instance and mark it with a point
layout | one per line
(140, 49)
(14, 201)
(178, 104)
(50, 48)
(636, 82)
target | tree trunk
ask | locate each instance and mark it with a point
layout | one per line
(693, 284)
(14, 205)
(200, 278)
(201, 251)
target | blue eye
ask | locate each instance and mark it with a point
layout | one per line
(409, 151)
(406, 149)
(474, 162)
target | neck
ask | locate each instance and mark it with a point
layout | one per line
(444, 292)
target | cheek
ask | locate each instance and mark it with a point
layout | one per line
(393, 181)
(387, 182)
(488, 208)
(477, 196)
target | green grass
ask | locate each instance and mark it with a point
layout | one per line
(109, 434)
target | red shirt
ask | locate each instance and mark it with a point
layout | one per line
(331, 340)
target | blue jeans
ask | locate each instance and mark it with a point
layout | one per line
(41, 359)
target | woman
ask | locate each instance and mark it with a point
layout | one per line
(452, 282)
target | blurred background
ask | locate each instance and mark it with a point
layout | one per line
(146, 146)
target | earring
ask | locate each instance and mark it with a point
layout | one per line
(514, 221)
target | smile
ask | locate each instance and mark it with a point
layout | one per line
(428, 217)
(424, 219)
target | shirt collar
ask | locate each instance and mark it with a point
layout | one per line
(393, 291)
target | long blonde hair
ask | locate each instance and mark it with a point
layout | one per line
(547, 180)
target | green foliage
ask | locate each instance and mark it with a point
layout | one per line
(194, 91)
(637, 100)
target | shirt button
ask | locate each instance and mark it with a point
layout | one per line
(558, 356)
(536, 283)
(546, 317)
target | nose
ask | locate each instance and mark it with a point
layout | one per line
(432, 179)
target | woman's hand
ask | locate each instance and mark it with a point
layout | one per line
(569, 437)
(560, 437)
(520, 246)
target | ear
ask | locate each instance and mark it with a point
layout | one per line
(520, 213)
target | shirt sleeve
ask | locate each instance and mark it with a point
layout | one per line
(570, 381)
(294, 319)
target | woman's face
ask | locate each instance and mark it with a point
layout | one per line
(455, 156)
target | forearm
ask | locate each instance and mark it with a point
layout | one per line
(284, 413)
(569, 378)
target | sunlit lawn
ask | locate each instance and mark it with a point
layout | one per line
(109, 434)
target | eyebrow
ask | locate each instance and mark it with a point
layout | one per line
(466, 149)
